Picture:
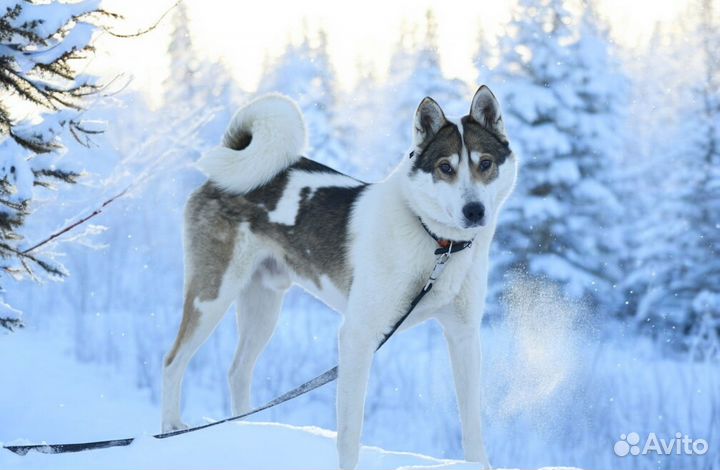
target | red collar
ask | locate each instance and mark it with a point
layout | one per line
(445, 245)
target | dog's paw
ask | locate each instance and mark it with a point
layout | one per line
(478, 456)
(174, 426)
(484, 465)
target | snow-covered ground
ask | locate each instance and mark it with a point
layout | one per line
(108, 406)
(48, 395)
(234, 445)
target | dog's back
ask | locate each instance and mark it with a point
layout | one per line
(297, 209)
(301, 216)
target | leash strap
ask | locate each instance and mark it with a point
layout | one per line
(443, 254)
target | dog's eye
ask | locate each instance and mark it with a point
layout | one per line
(446, 168)
(485, 164)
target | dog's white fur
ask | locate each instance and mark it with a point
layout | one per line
(390, 254)
(278, 140)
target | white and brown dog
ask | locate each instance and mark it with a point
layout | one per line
(269, 217)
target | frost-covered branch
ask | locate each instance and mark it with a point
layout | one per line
(75, 224)
(40, 43)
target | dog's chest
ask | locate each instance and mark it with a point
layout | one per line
(447, 287)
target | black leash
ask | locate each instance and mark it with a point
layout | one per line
(446, 248)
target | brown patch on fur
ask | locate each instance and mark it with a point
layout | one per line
(188, 323)
(488, 145)
(303, 247)
(487, 176)
(446, 142)
(211, 239)
(211, 242)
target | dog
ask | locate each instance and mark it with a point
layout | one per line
(268, 217)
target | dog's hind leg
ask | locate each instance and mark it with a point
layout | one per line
(258, 309)
(199, 321)
(218, 266)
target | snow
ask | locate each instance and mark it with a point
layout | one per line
(546, 375)
(109, 406)
(53, 16)
(76, 38)
(60, 24)
(236, 446)
(14, 169)
(564, 171)
(12, 314)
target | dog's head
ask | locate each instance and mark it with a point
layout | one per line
(461, 170)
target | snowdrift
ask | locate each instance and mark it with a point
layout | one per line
(48, 395)
(231, 446)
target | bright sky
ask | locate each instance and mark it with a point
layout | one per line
(244, 33)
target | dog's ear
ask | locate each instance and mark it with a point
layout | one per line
(429, 118)
(485, 109)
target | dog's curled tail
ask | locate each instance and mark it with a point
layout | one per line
(264, 137)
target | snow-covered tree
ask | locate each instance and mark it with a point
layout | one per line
(361, 111)
(305, 73)
(415, 72)
(181, 83)
(197, 85)
(651, 71)
(39, 44)
(424, 74)
(677, 270)
(485, 53)
(560, 89)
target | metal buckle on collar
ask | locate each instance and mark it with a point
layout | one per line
(440, 262)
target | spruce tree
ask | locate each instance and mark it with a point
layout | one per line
(194, 86)
(304, 72)
(181, 82)
(560, 90)
(415, 72)
(40, 44)
(676, 266)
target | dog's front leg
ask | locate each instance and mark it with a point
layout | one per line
(355, 348)
(372, 310)
(466, 360)
(462, 331)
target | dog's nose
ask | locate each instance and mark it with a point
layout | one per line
(474, 213)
